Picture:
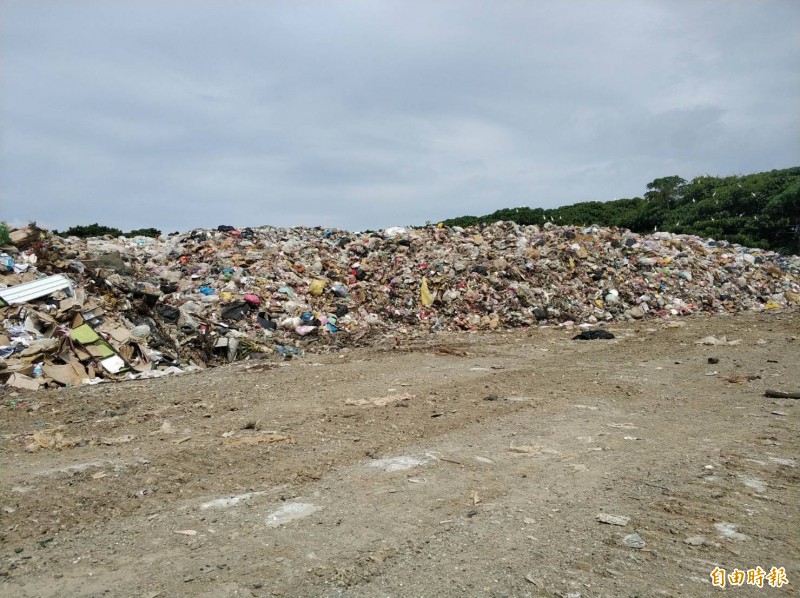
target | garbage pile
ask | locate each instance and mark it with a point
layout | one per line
(77, 311)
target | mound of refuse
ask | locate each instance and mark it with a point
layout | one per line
(78, 311)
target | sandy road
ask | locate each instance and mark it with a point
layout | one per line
(457, 465)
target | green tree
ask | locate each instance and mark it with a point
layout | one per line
(667, 191)
(144, 232)
(91, 230)
(756, 210)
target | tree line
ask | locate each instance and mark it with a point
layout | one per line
(755, 210)
(98, 230)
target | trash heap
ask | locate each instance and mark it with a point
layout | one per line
(82, 311)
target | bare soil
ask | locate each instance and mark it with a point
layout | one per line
(450, 465)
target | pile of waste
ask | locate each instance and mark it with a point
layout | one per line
(77, 311)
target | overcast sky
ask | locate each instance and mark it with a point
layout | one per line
(181, 114)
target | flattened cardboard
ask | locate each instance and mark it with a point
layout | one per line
(23, 382)
(84, 334)
(63, 374)
(119, 334)
(100, 350)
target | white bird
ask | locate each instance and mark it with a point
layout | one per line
(694, 200)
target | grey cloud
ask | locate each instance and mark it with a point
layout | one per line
(369, 114)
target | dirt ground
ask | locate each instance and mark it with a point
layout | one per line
(451, 465)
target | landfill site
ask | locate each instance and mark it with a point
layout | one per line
(502, 410)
